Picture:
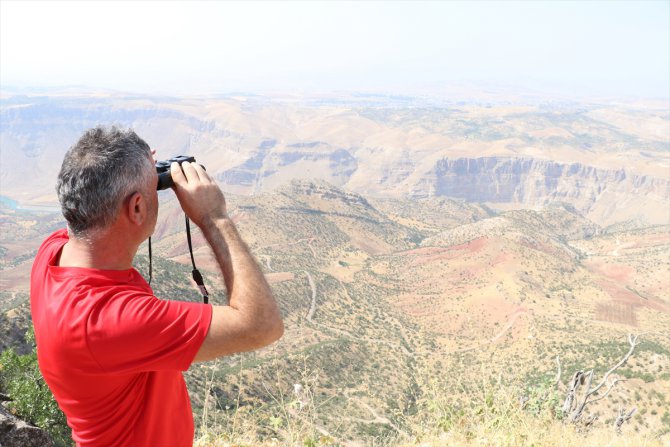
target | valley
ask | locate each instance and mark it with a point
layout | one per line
(413, 246)
(373, 306)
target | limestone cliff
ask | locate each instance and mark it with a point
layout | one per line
(603, 195)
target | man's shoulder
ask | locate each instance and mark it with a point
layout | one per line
(49, 247)
(53, 242)
(58, 236)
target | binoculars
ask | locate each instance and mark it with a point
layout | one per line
(163, 170)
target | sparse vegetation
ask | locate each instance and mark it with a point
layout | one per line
(496, 414)
(30, 398)
(431, 322)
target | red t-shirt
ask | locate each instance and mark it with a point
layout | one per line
(112, 353)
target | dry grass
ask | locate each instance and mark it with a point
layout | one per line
(493, 416)
(533, 434)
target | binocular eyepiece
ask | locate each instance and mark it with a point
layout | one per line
(163, 170)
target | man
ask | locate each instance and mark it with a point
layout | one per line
(111, 352)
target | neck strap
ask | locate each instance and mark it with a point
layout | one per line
(197, 277)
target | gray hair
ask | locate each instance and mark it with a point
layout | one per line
(98, 173)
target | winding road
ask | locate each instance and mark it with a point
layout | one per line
(347, 334)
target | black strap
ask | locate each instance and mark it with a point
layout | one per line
(150, 270)
(197, 277)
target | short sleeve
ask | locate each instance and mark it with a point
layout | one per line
(137, 332)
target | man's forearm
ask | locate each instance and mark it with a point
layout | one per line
(248, 290)
(252, 319)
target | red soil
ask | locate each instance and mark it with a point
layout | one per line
(614, 272)
(541, 246)
(430, 254)
(617, 313)
(614, 280)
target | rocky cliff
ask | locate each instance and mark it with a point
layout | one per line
(604, 195)
(612, 170)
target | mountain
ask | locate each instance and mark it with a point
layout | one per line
(417, 247)
(609, 161)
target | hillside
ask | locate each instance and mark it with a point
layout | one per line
(388, 300)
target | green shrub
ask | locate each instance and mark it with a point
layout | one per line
(32, 401)
(544, 398)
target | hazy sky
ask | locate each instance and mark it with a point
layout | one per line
(613, 48)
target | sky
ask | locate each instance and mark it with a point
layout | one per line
(177, 47)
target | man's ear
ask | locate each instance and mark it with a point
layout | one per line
(136, 209)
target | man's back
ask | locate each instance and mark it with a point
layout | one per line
(112, 353)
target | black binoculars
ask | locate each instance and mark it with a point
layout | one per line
(163, 170)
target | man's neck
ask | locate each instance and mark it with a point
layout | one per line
(103, 252)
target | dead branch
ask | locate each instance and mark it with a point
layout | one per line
(577, 377)
(614, 382)
(577, 412)
(632, 340)
(589, 421)
(623, 417)
(574, 406)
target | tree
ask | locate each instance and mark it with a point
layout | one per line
(581, 392)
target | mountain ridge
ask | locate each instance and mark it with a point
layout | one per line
(609, 161)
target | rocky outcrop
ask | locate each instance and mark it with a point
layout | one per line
(16, 433)
(299, 160)
(598, 193)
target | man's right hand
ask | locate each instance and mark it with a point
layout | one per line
(199, 195)
(252, 318)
